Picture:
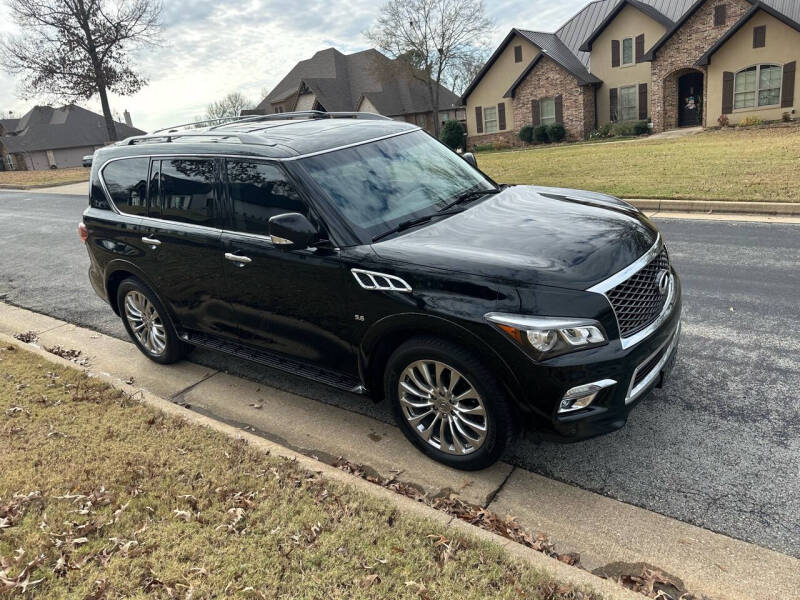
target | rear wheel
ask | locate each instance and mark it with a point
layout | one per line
(148, 323)
(448, 404)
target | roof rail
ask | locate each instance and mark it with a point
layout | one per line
(285, 116)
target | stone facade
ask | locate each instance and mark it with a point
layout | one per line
(678, 55)
(501, 138)
(548, 79)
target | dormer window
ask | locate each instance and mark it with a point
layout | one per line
(627, 51)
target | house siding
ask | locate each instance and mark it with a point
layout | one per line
(629, 23)
(494, 84)
(548, 79)
(782, 46)
(678, 56)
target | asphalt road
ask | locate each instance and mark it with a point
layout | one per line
(719, 447)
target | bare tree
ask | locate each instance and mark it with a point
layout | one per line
(466, 69)
(434, 37)
(231, 105)
(74, 49)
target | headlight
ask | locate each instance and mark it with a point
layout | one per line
(550, 336)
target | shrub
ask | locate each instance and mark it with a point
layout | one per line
(749, 121)
(540, 133)
(501, 145)
(526, 134)
(786, 117)
(640, 128)
(556, 132)
(628, 128)
(452, 134)
(723, 121)
(483, 147)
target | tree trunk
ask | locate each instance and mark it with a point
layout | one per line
(110, 127)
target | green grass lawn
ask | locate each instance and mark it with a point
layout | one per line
(44, 178)
(743, 165)
(102, 497)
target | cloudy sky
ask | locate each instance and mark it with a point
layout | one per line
(212, 47)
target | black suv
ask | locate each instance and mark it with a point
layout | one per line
(360, 252)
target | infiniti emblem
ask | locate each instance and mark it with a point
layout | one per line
(663, 281)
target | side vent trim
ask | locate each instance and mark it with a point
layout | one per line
(373, 280)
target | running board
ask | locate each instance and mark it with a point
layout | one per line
(334, 379)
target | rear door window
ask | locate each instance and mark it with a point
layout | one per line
(259, 191)
(126, 182)
(188, 191)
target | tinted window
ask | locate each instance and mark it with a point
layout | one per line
(259, 191)
(188, 191)
(126, 181)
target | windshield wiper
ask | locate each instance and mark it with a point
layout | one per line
(467, 196)
(406, 225)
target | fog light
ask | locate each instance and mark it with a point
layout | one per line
(583, 395)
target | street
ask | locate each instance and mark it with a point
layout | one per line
(718, 447)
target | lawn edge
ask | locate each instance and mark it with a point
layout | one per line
(557, 570)
(717, 206)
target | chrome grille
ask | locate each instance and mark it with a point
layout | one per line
(637, 301)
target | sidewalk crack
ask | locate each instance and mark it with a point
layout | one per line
(177, 396)
(492, 495)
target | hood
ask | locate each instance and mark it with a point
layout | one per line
(531, 235)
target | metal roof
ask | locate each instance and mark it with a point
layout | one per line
(552, 46)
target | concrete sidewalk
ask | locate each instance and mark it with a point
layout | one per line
(611, 537)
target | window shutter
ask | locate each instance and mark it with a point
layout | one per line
(643, 102)
(760, 36)
(478, 119)
(612, 96)
(535, 117)
(720, 14)
(787, 96)
(639, 48)
(727, 92)
(517, 53)
(614, 53)
(559, 102)
(501, 116)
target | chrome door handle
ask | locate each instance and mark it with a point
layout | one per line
(151, 241)
(242, 260)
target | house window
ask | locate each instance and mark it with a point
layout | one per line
(627, 104)
(548, 111)
(758, 86)
(627, 51)
(517, 54)
(490, 119)
(720, 15)
(10, 161)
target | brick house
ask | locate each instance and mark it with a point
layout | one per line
(365, 81)
(676, 63)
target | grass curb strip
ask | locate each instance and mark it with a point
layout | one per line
(557, 570)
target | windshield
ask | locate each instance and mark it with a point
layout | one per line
(378, 185)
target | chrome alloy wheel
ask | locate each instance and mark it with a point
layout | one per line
(442, 407)
(145, 322)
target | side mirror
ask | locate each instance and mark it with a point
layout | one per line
(470, 158)
(291, 231)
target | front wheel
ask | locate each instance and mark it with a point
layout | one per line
(148, 323)
(448, 404)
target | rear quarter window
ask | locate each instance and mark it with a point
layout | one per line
(126, 182)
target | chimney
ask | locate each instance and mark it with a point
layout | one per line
(128, 121)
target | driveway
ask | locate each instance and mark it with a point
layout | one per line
(719, 447)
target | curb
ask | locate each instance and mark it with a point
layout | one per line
(788, 209)
(22, 188)
(557, 570)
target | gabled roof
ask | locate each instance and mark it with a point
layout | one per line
(706, 58)
(647, 9)
(7, 125)
(48, 128)
(550, 45)
(339, 81)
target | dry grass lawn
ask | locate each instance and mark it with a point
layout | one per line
(743, 165)
(102, 497)
(44, 178)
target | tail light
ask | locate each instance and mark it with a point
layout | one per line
(83, 232)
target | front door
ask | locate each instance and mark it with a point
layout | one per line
(289, 302)
(690, 100)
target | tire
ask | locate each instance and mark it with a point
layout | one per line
(165, 348)
(464, 448)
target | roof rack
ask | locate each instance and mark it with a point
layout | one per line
(285, 116)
